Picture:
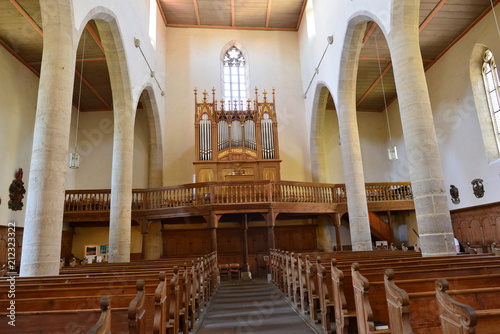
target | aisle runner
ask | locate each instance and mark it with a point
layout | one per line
(251, 307)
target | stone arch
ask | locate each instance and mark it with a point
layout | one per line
(155, 172)
(351, 150)
(124, 119)
(482, 108)
(318, 163)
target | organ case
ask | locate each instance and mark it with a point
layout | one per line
(236, 141)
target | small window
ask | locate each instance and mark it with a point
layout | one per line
(235, 79)
(492, 86)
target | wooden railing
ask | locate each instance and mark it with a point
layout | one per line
(195, 194)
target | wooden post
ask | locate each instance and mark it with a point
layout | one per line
(271, 222)
(337, 222)
(245, 243)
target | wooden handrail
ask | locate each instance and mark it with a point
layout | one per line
(211, 193)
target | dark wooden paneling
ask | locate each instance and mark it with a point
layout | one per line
(477, 225)
(186, 242)
(296, 238)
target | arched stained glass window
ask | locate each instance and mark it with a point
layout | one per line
(235, 79)
(492, 86)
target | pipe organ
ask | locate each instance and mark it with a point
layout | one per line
(236, 141)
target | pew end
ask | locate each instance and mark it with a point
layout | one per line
(103, 325)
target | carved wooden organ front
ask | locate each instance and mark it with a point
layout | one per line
(236, 141)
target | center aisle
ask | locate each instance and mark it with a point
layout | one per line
(251, 307)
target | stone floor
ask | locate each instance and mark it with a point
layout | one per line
(252, 307)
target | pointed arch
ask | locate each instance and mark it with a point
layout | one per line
(490, 139)
(155, 171)
(235, 79)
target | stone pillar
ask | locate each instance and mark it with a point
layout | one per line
(152, 241)
(431, 208)
(324, 234)
(213, 224)
(349, 136)
(121, 185)
(49, 161)
(338, 237)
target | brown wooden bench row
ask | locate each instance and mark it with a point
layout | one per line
(174, 302)
(336, 292)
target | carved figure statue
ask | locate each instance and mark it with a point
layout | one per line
(16, 192)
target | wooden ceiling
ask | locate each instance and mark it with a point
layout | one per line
(442, 23)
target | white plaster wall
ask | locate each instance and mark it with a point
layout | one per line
(316, 26)
(193, 61)
(95, 146)
(373, 137)
(457, 126)
(142, 15)
(18, 96)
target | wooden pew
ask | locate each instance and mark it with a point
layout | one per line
(326, 301)
(459, 318)
(103, 325)
(62, 295)
(412, 304)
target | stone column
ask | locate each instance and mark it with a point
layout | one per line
(349, 136)
(213, 224)
(49, 161)
(337, 222)
(433, 216)
(152, 241)
(121, 185)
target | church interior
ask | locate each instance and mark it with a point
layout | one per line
(236, 131)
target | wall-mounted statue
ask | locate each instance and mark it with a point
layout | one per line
(16, 192)
(455, 199)
(477, 186)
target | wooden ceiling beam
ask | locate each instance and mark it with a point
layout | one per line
(232, 13)
(92, 89)
(369, 32)
(27, 17)
(196, 12)
(228, 27)
(431, 15)
(304, 4)
(86, 60)
(95, 36)
(384, 72)
(21, 60)
(160, 8)
(268, 14)
(476, 21)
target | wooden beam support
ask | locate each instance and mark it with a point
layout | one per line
(89, 86)
(232, 13)
(160, 8)
(369, 32)
(431, 15)
(13, 53)
(268, 14)
(95, 36)
(384, 72)
(197, 12)
(27, 17)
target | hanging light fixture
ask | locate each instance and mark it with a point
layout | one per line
(392, 151)
(74, 157)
